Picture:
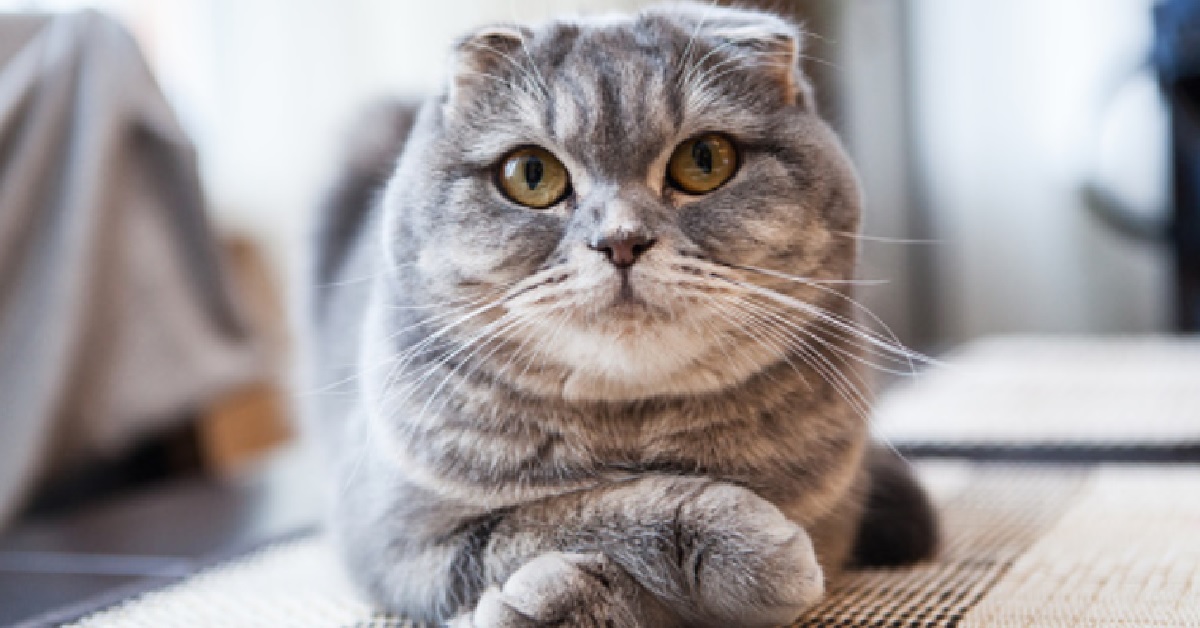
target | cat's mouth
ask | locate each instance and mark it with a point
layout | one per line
(629, 300)
(626, 296)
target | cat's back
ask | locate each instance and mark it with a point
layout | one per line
(338, 278)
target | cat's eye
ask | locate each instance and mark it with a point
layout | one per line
(702, 164)
(533, 177)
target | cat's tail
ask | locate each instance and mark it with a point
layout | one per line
(899, 525)
(375, 142)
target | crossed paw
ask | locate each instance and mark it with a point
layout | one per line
(742, 564)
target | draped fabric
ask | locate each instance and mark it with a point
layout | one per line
(115, 319)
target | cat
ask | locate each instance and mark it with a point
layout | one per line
(585, 353)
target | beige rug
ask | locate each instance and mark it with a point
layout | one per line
(1025, 546)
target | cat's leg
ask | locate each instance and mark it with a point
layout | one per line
(712, 554)
(659, 551)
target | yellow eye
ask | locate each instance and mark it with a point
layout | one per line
(533, 177)
(702, 164)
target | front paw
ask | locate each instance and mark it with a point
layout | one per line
(744, 562)
(563, 589)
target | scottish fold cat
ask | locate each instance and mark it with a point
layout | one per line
(586, 353)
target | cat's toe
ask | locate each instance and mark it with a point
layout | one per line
(562, 589)
(756, 568)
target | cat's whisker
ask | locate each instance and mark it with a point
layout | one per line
(409, 388)
(834, 376)
(548, 276)
(364, 369)
(355, 280)
(447, 306)
(821, 285)
(884, 346)
(823, 62)
(902, 365)
(519, 350)
(550, 340)
(783, 345)
(516, 321)
(884, 239)
(749, 324)
(722, 340)
(891, 349)
(402, 359)
(854, 338)
(846, 388)
(489, 301)
(836, 321)
(812, 281)
(809, 331)
(425, 346)
(817, 36)
(521, 319)
(855, 398)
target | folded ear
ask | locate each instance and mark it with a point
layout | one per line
(488, 55)
(766, 43)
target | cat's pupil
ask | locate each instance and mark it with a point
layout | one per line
(534, 169)
(702, 155)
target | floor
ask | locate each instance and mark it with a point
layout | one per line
(54, 569)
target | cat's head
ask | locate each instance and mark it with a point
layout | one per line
(593, 203)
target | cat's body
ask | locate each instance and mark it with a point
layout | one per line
(619, 407)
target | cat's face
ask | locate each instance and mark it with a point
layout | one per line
(597, 194)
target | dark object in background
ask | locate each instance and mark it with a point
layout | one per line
(1177, 61)
(174, 453)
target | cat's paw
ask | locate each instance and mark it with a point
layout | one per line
(744, 562)
(562, 589)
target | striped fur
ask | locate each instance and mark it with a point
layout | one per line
(513, 441)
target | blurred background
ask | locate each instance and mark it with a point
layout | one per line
(975, 125)
(1016, 156)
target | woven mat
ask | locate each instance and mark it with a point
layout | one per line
(1120, 393)
(1026, 546)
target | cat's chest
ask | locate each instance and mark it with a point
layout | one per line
(506, 441)
(743, 448)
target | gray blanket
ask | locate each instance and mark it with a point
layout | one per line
(114, 316)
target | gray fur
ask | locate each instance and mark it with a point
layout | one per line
(517, 442)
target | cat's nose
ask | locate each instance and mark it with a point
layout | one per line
(623, 248)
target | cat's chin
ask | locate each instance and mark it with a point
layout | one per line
(589, 386)
(623, 358)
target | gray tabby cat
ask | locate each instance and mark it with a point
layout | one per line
(589, 359)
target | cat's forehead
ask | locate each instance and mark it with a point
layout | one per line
(613, 96)
(649, 63)
(615, 92)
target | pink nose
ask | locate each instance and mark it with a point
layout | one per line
(625, 249)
